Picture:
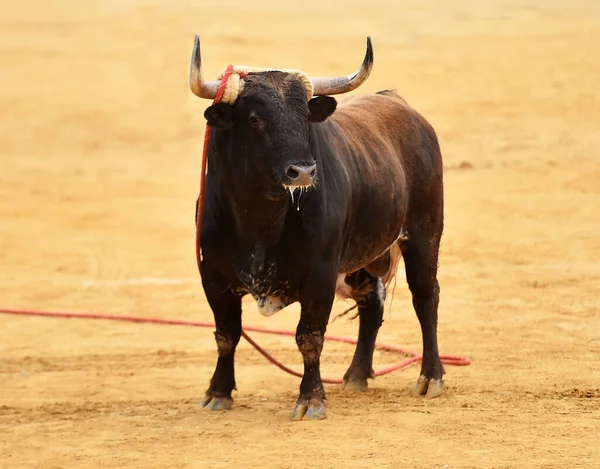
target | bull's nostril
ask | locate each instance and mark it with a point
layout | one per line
(292, 173)
(313, 172)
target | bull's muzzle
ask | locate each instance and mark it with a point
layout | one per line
(300, 175)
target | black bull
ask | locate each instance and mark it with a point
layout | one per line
(305, 199)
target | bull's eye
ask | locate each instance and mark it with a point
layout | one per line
(255, 121)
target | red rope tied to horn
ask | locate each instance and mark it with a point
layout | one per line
(200, 207)
(413, 357)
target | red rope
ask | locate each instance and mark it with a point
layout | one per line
(413, 356)
(218, 96)
(200, 206)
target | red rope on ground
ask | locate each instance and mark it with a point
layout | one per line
(413, 356)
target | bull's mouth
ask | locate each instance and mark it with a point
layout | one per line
(296, 191)
(291, 187)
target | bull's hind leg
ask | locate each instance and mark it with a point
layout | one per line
(369, 294)
(420, 252)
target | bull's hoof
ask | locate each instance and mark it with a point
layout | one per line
(429, 387)
(355, 380)
(314, 409)
(355, 385)
(216, 403)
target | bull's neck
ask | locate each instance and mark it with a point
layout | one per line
(257, 220)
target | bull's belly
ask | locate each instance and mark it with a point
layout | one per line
(360, 253)
(372, 231)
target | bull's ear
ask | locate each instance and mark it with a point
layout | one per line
(219, 115)
(320, 108)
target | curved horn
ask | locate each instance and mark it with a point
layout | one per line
(201, 88)
(328, 86)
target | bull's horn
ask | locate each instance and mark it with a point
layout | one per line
(201, 88)
(328, 86)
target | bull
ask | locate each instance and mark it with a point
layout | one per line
(306, 198)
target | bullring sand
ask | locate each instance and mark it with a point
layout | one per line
(99, 163)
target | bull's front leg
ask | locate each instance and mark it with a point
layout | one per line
(227, 310)
(316, 299)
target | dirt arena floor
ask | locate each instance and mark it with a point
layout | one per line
(99, 160)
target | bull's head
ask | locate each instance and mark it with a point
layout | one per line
(269, 121)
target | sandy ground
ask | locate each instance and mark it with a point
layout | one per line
(99, 162)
